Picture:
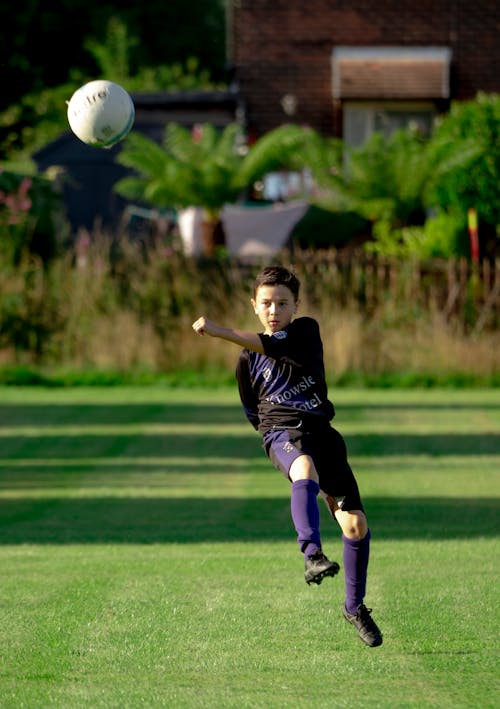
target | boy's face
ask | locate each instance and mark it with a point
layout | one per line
(275, 307)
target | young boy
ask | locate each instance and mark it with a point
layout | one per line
(281, 380)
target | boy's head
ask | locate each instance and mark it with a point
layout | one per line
(276, 296)
(277, 276)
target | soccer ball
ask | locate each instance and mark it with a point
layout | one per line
(101, 113)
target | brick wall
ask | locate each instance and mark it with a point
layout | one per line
(284, 47)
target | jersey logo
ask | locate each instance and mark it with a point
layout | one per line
(280, 335)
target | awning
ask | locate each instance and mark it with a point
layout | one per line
(391, 72)
(249, 231)
(260, 231)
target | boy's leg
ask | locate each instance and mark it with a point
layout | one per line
(305, 515)
(304, 504)
(356, 552)
(350, 515)
(356, 544)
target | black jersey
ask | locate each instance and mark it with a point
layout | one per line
(286, 386)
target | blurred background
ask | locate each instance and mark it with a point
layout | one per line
(355, 142)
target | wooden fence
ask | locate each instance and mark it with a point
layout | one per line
(456, 288)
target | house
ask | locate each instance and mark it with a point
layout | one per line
(344, 68)
(350, 68)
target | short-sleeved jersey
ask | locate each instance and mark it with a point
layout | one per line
(286, 386)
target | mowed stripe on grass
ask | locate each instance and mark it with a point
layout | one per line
(148, 557)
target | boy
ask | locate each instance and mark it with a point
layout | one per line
(281, 381)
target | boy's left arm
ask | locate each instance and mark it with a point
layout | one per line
(247, 394)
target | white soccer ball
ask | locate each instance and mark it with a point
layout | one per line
(101, 113)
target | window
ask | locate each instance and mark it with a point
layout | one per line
(363, 119)
(384, 89)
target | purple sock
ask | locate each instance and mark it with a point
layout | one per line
(305, 515)
(356, 554)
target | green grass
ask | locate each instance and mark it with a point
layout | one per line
(148, 559)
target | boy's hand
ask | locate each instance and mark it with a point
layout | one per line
(204, 325)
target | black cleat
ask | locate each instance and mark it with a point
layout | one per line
(318, 566)
(368, 630)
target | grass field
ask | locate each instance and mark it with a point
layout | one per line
(148, 559)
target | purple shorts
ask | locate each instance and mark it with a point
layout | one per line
(327, 449)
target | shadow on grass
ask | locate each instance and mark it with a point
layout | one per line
(94, 414)
(93, 520)
(190, 520)
(225, 445)
(44, 414)
(438, 444)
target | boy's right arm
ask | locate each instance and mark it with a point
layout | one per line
(249, 340)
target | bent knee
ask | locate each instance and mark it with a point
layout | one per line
(354, 525)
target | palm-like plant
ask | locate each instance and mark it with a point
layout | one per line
(384, 179)
(205, 167)
(465, 152)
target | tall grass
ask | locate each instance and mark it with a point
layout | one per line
(119, 305)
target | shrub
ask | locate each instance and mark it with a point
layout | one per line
(441, 236)
(31, 218)
(30, 311)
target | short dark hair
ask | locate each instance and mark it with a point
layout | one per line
(277, 276)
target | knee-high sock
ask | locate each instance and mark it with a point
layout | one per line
(305, 515)
(356, 554)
